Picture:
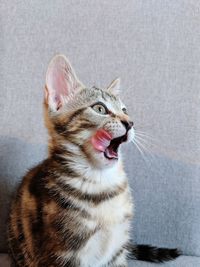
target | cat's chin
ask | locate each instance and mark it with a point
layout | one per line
(107, 161)
(100, 159)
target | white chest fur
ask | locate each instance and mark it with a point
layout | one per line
(104, 245)
(113, 219)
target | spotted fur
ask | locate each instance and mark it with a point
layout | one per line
(74, 209)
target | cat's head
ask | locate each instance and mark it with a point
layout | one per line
(90, 123)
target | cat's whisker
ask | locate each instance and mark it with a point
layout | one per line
(134, 142)
(141, 151)
(150, 156)
(142, 134)
(139, 145)
(144, 147)
(147, 138)
(143, 140)
(146, 144)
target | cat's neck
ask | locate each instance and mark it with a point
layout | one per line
(94, 181)
(79, 172)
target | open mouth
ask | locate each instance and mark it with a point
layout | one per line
(103, 142)
(111, 152)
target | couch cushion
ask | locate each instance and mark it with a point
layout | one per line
(167, 202)
(184, 261)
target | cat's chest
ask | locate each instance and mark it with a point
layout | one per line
(112, 220)
(117, 200)
(108, 218)
(100, 248)
(105, 195)
(114, 211)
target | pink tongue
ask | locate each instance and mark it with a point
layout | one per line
(101, 140)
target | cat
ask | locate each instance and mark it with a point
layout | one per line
(75, 208)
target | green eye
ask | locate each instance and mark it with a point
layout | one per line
(101, 109)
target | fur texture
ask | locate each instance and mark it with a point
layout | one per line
(74, 209)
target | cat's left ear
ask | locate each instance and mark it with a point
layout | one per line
(114, 87)
(61, 83)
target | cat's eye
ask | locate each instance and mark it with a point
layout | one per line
(125, 111)
(100, 108)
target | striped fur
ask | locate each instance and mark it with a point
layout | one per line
(74, 209)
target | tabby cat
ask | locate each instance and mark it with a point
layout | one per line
(75, 208)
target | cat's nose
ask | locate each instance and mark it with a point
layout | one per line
(127, 124)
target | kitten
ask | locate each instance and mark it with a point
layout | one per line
(75, 208)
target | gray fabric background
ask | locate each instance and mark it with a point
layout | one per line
(154, 46)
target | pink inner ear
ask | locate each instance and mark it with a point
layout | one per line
(59, 83)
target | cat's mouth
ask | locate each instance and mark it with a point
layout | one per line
(111, 152)
(103, 142)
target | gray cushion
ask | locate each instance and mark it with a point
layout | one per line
(184, 261)
(154, 47)
(167, 202)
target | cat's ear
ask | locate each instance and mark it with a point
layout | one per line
(61, 82)
(114, 87)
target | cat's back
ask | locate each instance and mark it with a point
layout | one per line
(31, 189)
